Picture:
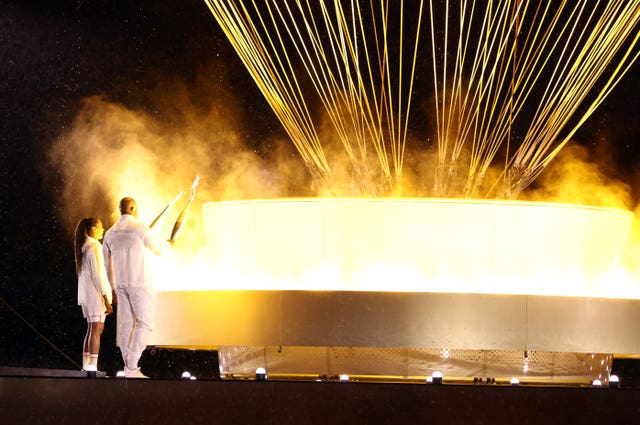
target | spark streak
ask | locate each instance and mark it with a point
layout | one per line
(368, 105)
(507, 80)
(519, 47)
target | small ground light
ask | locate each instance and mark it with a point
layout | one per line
(614, 381)
(193, 378)
(261, 374)
(186, 375)
(515, 382)
(436, 377)
(429, 380)
(120, 374)
(344, 377)
(596, 383)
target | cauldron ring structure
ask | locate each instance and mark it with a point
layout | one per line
(403, 280)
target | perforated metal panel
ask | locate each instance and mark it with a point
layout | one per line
(404, 363)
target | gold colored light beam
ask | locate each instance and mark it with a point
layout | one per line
(509, 79)
(331, 42)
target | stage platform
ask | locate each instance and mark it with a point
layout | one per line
(68, 400)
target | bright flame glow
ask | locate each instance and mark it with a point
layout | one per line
(412, 245)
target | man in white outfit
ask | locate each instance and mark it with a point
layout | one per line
(126, 245)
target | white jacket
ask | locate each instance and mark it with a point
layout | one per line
(125, 251)
(92, 279)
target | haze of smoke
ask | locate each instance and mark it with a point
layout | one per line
(572, 177)
(362, 175)
(114, 151)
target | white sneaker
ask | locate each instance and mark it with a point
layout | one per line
(134, 373)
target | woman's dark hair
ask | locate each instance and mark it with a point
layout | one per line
(82, 231)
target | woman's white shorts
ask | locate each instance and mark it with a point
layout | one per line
(92, 315)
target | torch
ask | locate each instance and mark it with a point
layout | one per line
(184, 211)
(169, 205)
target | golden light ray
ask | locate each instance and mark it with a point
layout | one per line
(522, 65)
(492, 101)
(333, 45)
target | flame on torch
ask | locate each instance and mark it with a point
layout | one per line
(183, 213)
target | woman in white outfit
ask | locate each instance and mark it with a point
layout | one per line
(94, 290)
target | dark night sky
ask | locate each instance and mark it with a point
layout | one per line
(54, 54)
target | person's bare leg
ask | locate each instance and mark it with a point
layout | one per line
(94, 342)
(85, 348)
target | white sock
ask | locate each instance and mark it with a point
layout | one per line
(93, 360)
(85, 361)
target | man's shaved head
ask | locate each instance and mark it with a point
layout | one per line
(128, 206)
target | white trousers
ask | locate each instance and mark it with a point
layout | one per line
(136, 317)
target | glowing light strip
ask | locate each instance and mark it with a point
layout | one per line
(340, 83)
(564, 52)
(486, 110)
